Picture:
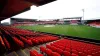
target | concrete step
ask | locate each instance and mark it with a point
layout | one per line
(27, 51)
(21, 53)
(36, 48)
(12, 54)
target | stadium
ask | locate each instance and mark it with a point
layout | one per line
(45, 34)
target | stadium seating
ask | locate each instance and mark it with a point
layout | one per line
(95, 23)
(19, 42)
(35, 23)
(73, 54)
(65, 47)
(48, 52)
(61, 47)
(35, 53)
(66, 53)
(13, 36)
(55, 54)
(29, 42)
(2, 42)
(7, 43)
(42, 49)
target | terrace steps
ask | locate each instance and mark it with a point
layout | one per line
(22, 52)
(25, 52)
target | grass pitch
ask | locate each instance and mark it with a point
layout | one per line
(70, 30)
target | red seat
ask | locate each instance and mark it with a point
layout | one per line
(26, 41)
(48, 52)
(92, 55)
(2, 42)
(20, 43)
(61, 47)
(29, 42)
(96, 54)
(66, 53)
(53, 48)
(82, 54)
(40, 54)
(67, 49)
(74, 51)
(55, 54)
(73, 54)
(35, 41)
(60, 51)
(7, 43)
(48, 46)
(33, 53)
(42, 49)
(41, 40)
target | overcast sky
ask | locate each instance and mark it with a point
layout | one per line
(64, 8)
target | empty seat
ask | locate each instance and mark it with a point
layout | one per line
(1, 41)
(26, 41)
(73, 54)
(82, 54)
(20, 43)
(67, 49)
(48, 52)
(60, 51)
(48, 46)
(33, 53)
(40, 55)
(55, 54)
(35, 41)
(29, 42)
(42, 49)
(74, 51)
(53, 48)
(7, 43)
(66, 53)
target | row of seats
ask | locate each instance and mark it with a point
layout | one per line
(16, 31)
(21, 41)
(43, 39)
(95, 23)
(35, 53)
(36, 22)
(79, 48)
(49, 52)
(65, 47)
(9, 40)
(53, 51)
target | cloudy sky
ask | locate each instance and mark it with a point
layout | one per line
(64, 8)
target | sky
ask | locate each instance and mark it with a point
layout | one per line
(63, 9)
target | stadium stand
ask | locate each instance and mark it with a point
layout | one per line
(19, 42)
(94, 23)
(14, 39)
(37, 22)
(65, 47)
(31, 22)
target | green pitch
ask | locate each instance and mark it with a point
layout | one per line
(70, 30)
